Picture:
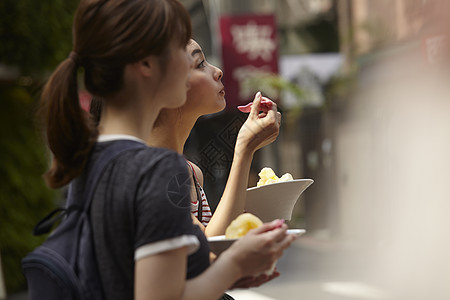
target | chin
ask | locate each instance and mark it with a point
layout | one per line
(213, 110)
(221, 106)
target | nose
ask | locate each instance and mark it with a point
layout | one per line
(218, 74)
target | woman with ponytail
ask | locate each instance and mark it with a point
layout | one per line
(108, 36)
(133, 56)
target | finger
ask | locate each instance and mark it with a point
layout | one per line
(285, 243)
(272, 113)
(259, 282)
(252, 281)
(255, 105)
(260, 279)
(267, 104)
(266, 227)
(244, 282)
(279, 118)
(278, 234)
(262, 115)
(275, 274)
(273, 120)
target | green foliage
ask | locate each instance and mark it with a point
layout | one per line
(24, 197)
(272, 85)
(35, 35)
(338, 88)
(319, 35)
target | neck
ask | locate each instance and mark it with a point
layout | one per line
(135, 120)
(172, 130)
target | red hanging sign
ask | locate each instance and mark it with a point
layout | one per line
(249, 48)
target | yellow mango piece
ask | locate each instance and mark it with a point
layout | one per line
(268, 176)
(241, 225)
(267, 173)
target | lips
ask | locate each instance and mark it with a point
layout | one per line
(222, 91)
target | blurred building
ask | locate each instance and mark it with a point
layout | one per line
(316, 142)
(367, 26)
(296, 21)
(376, 147)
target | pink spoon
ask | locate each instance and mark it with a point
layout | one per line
(248, 107)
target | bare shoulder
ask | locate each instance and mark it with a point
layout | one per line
(198, 172)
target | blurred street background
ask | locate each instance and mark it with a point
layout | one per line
(363, 87)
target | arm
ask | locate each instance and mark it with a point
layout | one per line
(251, 255)
(259, 129)
(152, 272)
(197, 222)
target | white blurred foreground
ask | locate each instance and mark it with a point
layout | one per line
(393, 192)
(396, 188)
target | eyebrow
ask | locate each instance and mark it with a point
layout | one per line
(196, 51)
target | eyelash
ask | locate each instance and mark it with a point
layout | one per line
(201, 64)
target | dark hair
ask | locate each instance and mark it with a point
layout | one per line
(95, 109)
(107, 35)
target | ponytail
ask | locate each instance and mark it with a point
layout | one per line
(95, 109)
(70, 132)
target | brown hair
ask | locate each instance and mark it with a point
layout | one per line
(107, 35)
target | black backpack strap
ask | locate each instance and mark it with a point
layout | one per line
(46, 224)
(114, 150)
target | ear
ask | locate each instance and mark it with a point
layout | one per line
(147, 66)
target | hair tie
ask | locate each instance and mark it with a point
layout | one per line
(75, 58)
